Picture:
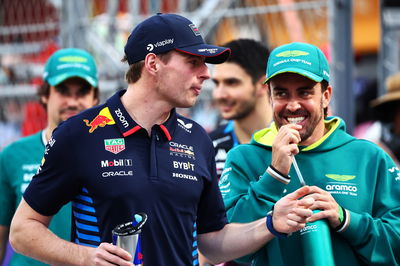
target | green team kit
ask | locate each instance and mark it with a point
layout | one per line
(360, 176)
(18, 163)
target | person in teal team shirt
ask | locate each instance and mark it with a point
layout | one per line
(70, 86)
(355, 184)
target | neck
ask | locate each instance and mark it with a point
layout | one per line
(144, 108)
(260, 118)
(48, 131)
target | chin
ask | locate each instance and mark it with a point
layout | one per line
(65, 117)
(228, 117)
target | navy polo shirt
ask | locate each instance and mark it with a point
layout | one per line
(224, 139)
(110, 168)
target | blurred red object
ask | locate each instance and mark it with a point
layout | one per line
(35, 118)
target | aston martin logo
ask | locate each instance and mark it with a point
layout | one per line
(340, 177)
(292, 53)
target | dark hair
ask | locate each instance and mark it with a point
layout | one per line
(250, 55)
(44, 91)
(135, 70)
(324, 87)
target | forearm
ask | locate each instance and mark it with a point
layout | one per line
(234, 240)
(30, 236)
(251, 196)
(33, 239)
(4, 230)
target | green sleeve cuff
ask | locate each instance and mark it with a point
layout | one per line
(268, 187)
(351, 229)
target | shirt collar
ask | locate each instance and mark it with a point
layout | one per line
(128, 126)
(229, 127)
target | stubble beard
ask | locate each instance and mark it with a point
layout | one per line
(312, 124)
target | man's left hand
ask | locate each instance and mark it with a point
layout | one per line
(324, 201)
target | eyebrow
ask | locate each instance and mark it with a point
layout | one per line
(306, 87)
(299, 88)
(83, 87)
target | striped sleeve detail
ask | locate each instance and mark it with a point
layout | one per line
(277, 175)
(346, 222)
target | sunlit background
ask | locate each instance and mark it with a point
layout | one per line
(360, 38)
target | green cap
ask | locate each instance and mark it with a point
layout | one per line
(301, 58)
(68, 63)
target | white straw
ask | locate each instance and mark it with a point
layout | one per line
(299, 175)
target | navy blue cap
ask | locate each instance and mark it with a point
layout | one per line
(164, 32)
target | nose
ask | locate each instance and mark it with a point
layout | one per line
(72, 100)
(204, 72)
(219, 91)
(293, 105)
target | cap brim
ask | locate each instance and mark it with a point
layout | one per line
(299, 71)
(386, 98)
(54, 81)
(213, 54)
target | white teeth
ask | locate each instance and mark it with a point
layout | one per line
(295, 120)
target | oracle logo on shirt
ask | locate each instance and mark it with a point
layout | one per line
(181, 150)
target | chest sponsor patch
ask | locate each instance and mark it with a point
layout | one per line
(185, 176)
(116, 163)
(181, 150)
(117, 173)
(341, 185)
(185, 126)
(183, 165)
(114, 145)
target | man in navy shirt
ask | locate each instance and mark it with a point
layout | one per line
(136, 154)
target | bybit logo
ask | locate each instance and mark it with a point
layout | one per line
(183, 165)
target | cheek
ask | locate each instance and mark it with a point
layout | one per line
(216, 93)
(277, 107)
(87, 102)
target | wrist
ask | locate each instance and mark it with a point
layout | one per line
(270, 226)
(343, 219)
(275, 173)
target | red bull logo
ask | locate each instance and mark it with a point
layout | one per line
(101, 120)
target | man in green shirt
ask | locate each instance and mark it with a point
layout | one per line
(70, 86)
(354, 183)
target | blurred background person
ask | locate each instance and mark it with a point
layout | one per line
(240, 96)
(385, 131)
(70, 86)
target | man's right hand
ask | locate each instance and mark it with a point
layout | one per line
(291, 213)
(108, 254)
(284, 146)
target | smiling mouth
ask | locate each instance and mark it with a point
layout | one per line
(296, 120)
(69, 113)
(226, 104)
